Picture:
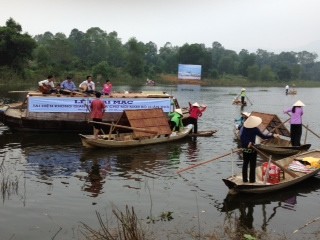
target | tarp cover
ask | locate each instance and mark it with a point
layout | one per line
(271, 121)
(149, 119)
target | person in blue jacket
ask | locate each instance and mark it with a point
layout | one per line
(248, 135)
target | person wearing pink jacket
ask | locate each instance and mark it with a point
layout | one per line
(195, 111)
(296, 122)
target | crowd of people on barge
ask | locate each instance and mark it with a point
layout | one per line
(68, 86)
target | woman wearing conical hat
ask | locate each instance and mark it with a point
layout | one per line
(243, 95)
(176, 120)
(195, 111)
(296, 122)
(248, 134)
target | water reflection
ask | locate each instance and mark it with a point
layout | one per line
(246, 204)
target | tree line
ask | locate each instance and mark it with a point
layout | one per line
(103, 54)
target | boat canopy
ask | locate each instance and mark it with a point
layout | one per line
(151, 119)
(271, 121)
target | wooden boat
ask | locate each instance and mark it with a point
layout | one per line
(55, 112)
(277, 146)
(281, 147)
(288, 178)
(292, 92)
(208, 133)
(238, 102)
(147, 127)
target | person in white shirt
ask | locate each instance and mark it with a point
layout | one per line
(88, 85)
(47, 86)
(287, 89)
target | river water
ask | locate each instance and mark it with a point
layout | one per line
(50, 184)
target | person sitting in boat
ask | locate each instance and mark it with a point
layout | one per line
(248, 135)
(88, 86)
(243, 95)
(176, 120)
(47, 86)
(107, 88)
(195, 111)
(68, 86)
(242, 119)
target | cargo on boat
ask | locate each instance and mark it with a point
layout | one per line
(71, 113)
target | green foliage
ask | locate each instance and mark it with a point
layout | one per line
(15, 48)
(101, 54)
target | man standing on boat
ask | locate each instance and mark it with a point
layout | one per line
(47, 86)
(248, 134)
(97, 108)
(287, 89)
(243, 96)
(88, 85)
(68, 85)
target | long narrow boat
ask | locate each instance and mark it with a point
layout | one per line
(124, 140)
(288, 178)
(56, 112)
(207, 133)
(274, 149)
(278, 146)
(148, 126)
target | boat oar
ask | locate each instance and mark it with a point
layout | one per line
(308, 129)
(126, 127)
(211, 160)
(249, 100)
(292, 174)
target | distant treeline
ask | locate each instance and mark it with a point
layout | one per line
(103, 55)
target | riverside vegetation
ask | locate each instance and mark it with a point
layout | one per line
(28, 59)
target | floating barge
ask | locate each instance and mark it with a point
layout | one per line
(71, 113)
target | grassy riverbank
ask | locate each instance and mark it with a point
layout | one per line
(167, 79)
(231, 80)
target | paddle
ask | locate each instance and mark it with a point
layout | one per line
(292, 174)
(126, 127)
(216, 158)
(18, 91)
(249, 100)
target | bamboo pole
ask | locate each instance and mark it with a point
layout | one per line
(292, 174)
(216, 158)
(126, 127)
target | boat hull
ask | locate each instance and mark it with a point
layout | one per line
(106, 141)
(21, 116)
(236, 185)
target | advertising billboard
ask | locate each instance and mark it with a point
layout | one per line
(189, 71)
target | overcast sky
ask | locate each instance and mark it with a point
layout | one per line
(272, 25)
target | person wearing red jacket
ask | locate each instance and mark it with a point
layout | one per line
(195, 111)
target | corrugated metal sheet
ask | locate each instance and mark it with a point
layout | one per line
(150, 119)
(271, 121)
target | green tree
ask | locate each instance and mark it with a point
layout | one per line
(266, 74)
(135, 58)
(15, 48)
(253, 72)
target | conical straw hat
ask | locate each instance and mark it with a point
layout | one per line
(252, 122)
(178, 110)
(246, 114)
(243, 89)
(298, 104)
(196, 104)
